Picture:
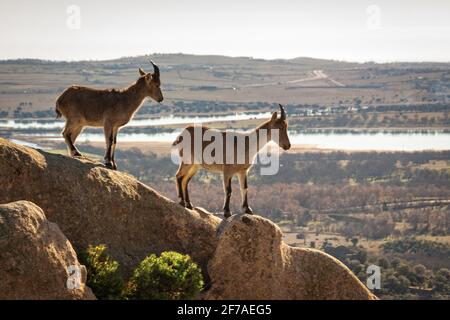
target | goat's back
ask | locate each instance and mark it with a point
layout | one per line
(87, 103)
(234, 145)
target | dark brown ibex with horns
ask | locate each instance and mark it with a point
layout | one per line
(109, 108)
(189, 165)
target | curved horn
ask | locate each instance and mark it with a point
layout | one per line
(155, 68)
(283, 114)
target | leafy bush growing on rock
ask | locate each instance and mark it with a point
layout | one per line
(170, 276)
(103, 273)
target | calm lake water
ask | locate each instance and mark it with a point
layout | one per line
(160, 121)
(340, 141)
(380, 141)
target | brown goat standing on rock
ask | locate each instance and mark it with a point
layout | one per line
(108, 108)
(230, 164)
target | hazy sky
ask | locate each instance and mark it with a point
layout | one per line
(356, 30)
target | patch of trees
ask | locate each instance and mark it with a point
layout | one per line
(400, 279)
(367, 120)
(413, 245)
(20, 113)
(387, 168)
(431, 107)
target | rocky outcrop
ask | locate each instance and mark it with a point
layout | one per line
(252, 262)
(244, 256)
(94, 205)
(36, 259)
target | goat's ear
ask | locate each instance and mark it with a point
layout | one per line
(142, 72)
(274, 116)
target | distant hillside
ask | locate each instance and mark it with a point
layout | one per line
(33, 85)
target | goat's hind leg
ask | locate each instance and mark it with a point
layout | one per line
(109, 139)
(242, 176)
(113, 148)
(227, 189)
(185, 183)
(70, 134)
(74, 135)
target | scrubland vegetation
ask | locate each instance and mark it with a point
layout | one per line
(401, 277)
(390, 209)
(170, 276)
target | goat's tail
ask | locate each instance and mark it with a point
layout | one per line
(177, 141)
(58, 113)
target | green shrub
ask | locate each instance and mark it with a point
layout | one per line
(170, 276)
(103, 273)
(442, 281)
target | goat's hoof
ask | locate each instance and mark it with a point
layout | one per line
(114, 167)
(181, 203)
(227, 214)
(248, 210)
(188, 205)
(76, 154)
(109, 165)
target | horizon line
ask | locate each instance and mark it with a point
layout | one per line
(226, 56)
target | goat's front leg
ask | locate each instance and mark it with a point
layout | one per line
(109, 138)
(227, 188)
(242, 176)
(182, 171)
(180, 189)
